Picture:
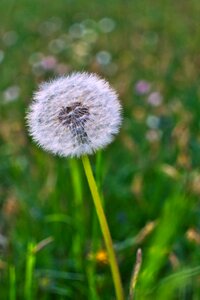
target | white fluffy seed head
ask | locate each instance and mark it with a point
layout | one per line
(74, 115)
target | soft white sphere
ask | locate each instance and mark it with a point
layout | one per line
(74, 115)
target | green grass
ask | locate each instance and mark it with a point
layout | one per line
(149, 173)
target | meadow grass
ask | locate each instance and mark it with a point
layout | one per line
(149, 177)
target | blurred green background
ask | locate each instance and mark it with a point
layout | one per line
(50, 243)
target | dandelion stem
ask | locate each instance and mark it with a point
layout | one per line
(104, 228)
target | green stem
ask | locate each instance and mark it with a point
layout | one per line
(95, 242)
(78, 203)
(30, 264)
(12, 289)
(104, 228)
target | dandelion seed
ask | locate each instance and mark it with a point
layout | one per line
(74, 115)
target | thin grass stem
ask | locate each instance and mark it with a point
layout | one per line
(104, 228)
(30, 265)
(12, 279)
(78, 202)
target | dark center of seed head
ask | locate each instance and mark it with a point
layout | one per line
(74, 117)
(74, 114)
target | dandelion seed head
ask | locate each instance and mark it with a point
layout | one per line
(74, 115)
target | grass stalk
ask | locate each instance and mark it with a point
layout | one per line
(135, 274)
(30, 265)
(104, 228)
(12, 279)
(78, 212)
